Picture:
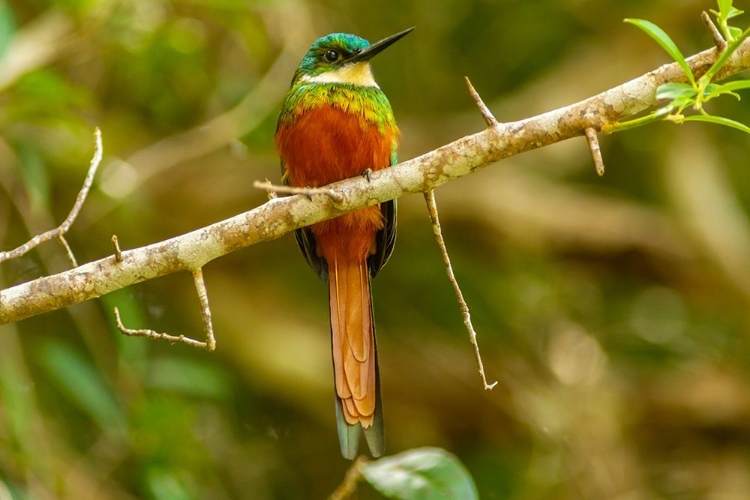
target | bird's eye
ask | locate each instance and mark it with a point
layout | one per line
(331, 55)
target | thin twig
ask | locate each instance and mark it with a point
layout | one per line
(200, 287)
(348, 486)
(307, 191)
(596, 151)
(68, 222)
(489, 118)
(721, 44)
(116, 247)
(151, 334)
(95, 161)
(429, 196)
(71, 257)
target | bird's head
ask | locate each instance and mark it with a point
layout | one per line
(342, 58)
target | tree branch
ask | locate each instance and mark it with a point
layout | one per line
(210, 342)
(282, 215)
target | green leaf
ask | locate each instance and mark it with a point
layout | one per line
(735, 31)
(675, 91)
(680, 95)
(421, 474)
(715, 90)
(734, 12)
(666, 43)
(719, 120)
(727, 10)
(731, 86)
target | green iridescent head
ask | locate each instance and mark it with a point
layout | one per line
(342, 58)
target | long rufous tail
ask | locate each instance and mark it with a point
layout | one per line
(355, 358)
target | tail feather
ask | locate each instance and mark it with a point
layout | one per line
(375, 434)
(358, 401)
(348, 434)
(338, 339)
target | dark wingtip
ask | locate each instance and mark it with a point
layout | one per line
(375, 438)
(348, 434)
(375, 434)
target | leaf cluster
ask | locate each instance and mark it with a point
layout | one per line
(698, 91)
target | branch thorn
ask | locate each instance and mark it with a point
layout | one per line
(596, 151)
(116, 247)
(721, 44)
(489, 118)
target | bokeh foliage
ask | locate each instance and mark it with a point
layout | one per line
(613, 311)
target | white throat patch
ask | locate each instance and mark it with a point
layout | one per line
(359, 74)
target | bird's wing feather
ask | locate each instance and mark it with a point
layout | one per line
(385, 240)
(306, 242)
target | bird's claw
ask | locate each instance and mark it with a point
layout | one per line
(366, 173)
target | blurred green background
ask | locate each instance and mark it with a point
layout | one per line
(613, 311)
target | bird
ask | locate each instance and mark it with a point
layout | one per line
(336, 123)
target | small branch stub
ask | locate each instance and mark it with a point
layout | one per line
(267, 185)
(596, 152)
(489, 118)
(116, 248)
(719, 41)
(307, 191)
(432, 209)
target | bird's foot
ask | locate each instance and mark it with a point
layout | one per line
(366, 173)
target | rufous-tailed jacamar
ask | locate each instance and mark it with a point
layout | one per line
(336, 123)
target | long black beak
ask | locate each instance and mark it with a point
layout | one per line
(377, 47)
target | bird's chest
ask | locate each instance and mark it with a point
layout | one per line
(327, 144)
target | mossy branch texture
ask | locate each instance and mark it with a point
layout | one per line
(279, 216)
